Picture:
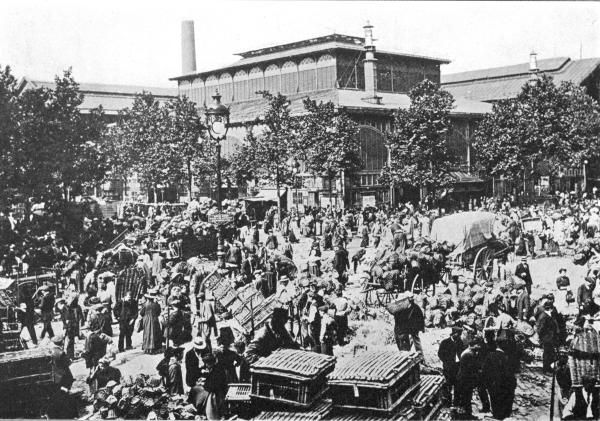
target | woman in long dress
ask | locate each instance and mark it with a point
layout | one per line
(152, 337)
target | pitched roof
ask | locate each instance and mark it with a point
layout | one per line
(113, 98)
(314, 45)
(506, 82)
(246, 111)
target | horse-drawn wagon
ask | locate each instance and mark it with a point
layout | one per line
(474, 237)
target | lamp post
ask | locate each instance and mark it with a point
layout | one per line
(294, 167)
(217, 124)
(585, 162)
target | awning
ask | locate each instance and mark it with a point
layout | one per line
(265, 195)
(463, 177)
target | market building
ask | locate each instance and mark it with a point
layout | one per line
(502, 83)
(350, 72)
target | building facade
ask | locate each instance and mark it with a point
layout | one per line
(347, 70)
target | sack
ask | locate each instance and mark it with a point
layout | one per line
(397, 306)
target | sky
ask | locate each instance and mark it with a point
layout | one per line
(139, 42)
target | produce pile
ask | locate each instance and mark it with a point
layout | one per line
(588, 250)
(138, 398)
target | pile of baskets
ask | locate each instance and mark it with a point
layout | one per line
(140, 397)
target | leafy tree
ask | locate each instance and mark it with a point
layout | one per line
(160, 143)
(328, 141)
(558, 126)
(274, 145)
(56, 149)
(8, 129)
(419, 153)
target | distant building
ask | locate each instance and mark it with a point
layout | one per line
(500, 83)
(347, 70)
(112, 98)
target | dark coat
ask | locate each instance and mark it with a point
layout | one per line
(547, 329)
(340, 260)
(409, 320)
(469, 368)
(496, 371)
(192, 368)
(126, 312)
(72, 317)
(522, 271)
(266, 341)
(584, 295)
(448, 352)
(47, 307)
(523, 305)
(247, 270)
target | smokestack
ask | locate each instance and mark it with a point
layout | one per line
(533, 66)
(188, 47)
(370, 65)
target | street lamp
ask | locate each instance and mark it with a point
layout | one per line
(294, 167)
(217, 124)
(585, 162)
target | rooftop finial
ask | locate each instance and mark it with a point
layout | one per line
(533, 65)
(368, 34)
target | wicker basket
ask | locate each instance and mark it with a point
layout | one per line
(292, 377)
(375, 381)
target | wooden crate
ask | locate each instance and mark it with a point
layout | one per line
(31, 366)
(293, 377)
(376, 381)
(316, 412)
(427, 397)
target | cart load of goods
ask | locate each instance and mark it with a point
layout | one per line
(295, 384)
(140, 398)
(587, 251)
(25, 367)
(425, 257)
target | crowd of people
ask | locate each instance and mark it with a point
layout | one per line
(204, 348)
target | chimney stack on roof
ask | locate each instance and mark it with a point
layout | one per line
(188, 47)
(370, 65)
(533, 65)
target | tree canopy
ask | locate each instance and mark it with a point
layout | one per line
(419, 153)
(558, 125)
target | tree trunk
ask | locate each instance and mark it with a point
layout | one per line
(189, 170)
(330, 204)
(337, 193)
(278, 196)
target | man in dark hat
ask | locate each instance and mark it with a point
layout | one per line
(585, 299)
(47, 310)
(126, 312)
(548, 334)
(271, 337)
(449, 354)
(522, 271)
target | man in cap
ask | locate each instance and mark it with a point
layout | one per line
(408, 322)
(285, 296)
(585, 299)
(328, 329)
(548, 334)
(61, 373)
(522, 271)
(523, 302)
(205, 316)
(47, 310)
(103, 374)
(25, 316)
(126, 312)
(271, 337)
(449, 354)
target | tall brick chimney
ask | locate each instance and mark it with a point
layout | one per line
(533, 65)
(188, 47)
(370, 65)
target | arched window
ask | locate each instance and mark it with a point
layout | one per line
(198, 92)
(226, 87)
(256, 82)
(211, 84)
(373, 151)
(307, 75)
(184, 88)
(289, 78)
(230, 145)
(272, 79)
(326, 72)
(240, 86)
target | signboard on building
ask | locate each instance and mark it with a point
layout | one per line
(220, 218)
(368, 200)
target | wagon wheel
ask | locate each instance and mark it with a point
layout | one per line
(385, 297)
(417, 283)
(368, 291)
(483, 265)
